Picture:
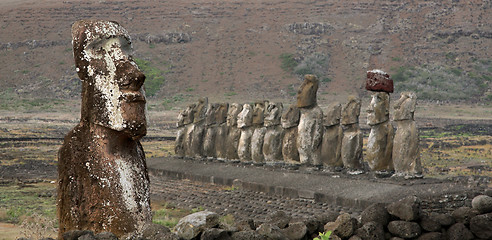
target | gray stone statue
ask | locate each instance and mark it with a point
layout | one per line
(233, 132)
(380, 141)
(185, 118)
(406, 154)
(198, 131)
(332, 136)
(289, 122)
(310, 128)
(272, 143)
(210, 131)
(245, 122)
(222, 130)
(258, 132)
(352, 136)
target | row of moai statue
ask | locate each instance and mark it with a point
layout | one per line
(263, 133)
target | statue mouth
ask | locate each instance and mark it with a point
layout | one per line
(131, 97)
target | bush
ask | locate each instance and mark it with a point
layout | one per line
(154, 76)
(288, 63)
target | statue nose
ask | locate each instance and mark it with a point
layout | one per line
(129, 75)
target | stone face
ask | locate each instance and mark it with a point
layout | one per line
(380, 147)
(103, 183)
(233, 133)
(190, 226)
(379, 81)
(198, 131)
(245, 117)
(378, 110)
(404, 229)
(331, 145)
(309, 135)
(459, 231)
(273, 113)
(481, 226)
(332, 115)
(306, 95)
(407, 209)
(200, 110)
(259, 113)
(351, 111)
(185, 118)
(482, 203)
(290, 118)
(405, 106)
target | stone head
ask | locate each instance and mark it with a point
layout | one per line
(259, 113)
(351, 111)
(200, 110)
(332, 115)
(273, 113)
(306, 95)
(221, 113)
(210, 114)
(185, 117)
(245, 117)
(405, 106)
(290, 118)
(378, 111)
(232, 113)
(112, 84)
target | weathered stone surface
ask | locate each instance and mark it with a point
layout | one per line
(76, 234)
(464, 214)
(259, 113)
(290, 121)
(295, 231)
(481, 226)
(371, 231)
(279, 218)
(233, 132)
(200, 110)
(215, 234)
(331, 145)
(332, 115)
(273, 113)
(257, 141)
(444, 219)
(103, 183)
(245, 225)
(429, 224)
(378, 110)
(482, 203)
(290, 118)
(343, 227)
(407, 209)
(309, 135)
(244, 122)
(431, 236)
(351, 111)
(404, 229)
(185, 118)
(106, 236)
(459, 232)
(379, 81)
(272, 144)
(190, 226)
(306, 95)
(406, 153)
(270, 231)
(158, 232)
(210, 130)
(380, 147)
(247, 235)
(376, 212)
(351, 152)
(221, 141)
(198, 130)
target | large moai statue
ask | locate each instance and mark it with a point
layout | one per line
(406, 155)
(310, 129)
(380, 141)
(198, 131)
(331, 146)
(290, 121)
(258, 132)
(272, 143)
(352, 136)
(210, 130)
(103, 183)
(185, 118)
(222, 130)
(245, 122)
(233, 131)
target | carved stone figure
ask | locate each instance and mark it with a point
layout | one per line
(103, 183)
(380, 141)
(198, 131)
(244, 122)
(272, 143)
(332, 136)
(310, 129)
(352, 136)
(185, 118)
(221, 135)
(210, 130)
(406, 154)
(289, 121)
(234, 133)
(258, 132)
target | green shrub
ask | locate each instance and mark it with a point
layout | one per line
(288, 63)
(154, 76)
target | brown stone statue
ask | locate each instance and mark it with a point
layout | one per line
(380, 141)
(210, 130)
(332, 136)
(198, 131)
(272, 143)
(103, 183)
(289, 121)
(258, 132)
(222, 129)
(244, 122)
(185, 118)
(352, 136)
(310, 129)
(406, 154)
(233, 132)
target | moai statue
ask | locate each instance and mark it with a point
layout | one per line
(380, 141)
(310, 129)
(103, 184)
(290, 121)
(352, 136)
(222, 129)
(406, 155)
(272, 143)
(245, 122)
(332, 136)
(210, 131)
(258, 132)
(198, 132)
(185, 118)
(233, 132)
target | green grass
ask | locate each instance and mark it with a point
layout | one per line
(154, 76)
(287, 62)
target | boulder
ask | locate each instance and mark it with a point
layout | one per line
(459, 232)
(430, 224)
(482, 203)
(404, 229)
(407, 209)
(106, 236)
(192, 225)
(464, 214)
(215, 234)
(343, 227)
(481, 226)
(444, 219)
(279, 219)
(376, 212)
(247, 235)
(270, 231)
(431, 236)
(371, 231)
(295, 231)
(154, 231)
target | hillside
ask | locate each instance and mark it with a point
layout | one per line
(247, 50)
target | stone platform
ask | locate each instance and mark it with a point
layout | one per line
(333, 187)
